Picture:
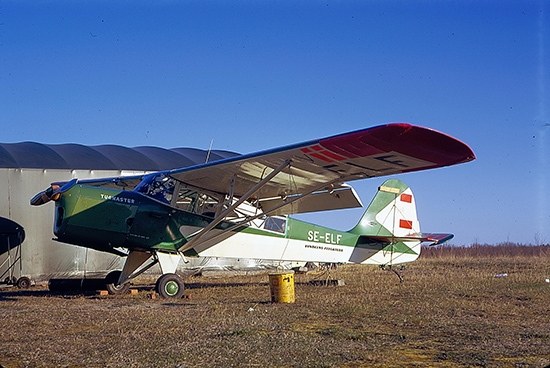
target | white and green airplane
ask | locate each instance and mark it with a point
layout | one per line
(239, 207)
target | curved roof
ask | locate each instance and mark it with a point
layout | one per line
(32, 155)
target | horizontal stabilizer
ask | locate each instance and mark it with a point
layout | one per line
(422, 237)
(436, 238)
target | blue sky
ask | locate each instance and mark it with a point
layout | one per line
(252, 75)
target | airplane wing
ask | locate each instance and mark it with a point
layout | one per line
(379, 151)
(318, 168)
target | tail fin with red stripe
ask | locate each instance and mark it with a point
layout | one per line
(390, 228)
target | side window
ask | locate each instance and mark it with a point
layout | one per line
(187, 200)
(277, 224)
(195, 202)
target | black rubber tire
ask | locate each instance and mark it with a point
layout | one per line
(111, 284)
(170, 286)
(24, 283)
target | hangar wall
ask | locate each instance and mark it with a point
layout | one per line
(41, 257)
(28, 168)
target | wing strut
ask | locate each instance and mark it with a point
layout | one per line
(190, 244)
(224, 214)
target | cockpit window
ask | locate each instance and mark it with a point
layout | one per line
(157, 186)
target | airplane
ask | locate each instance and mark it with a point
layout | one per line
(239, 207)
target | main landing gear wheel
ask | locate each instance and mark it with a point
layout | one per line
(111, 284)
(170, 286)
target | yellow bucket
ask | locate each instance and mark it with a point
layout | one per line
(282, 287)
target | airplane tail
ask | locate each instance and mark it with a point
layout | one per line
(389, 229)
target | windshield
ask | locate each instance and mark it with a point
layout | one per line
(157, 186)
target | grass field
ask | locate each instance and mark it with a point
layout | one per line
(450, 312)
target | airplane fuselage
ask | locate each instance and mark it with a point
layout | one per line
(107, 219)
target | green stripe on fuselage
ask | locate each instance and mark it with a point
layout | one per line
(305, 231)
(301, 230)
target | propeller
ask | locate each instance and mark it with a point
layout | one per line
(52, 193)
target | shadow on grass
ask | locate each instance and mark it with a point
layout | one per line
(41, 293)
(202, 285)
(89, 287)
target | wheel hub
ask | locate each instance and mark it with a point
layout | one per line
(171, 288)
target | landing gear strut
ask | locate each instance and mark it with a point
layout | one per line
(169, 285)
(111, 284)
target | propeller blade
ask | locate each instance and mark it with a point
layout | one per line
(52, 193)
(41, 197)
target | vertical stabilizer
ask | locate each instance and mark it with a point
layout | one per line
(392, 212)
(387, 226)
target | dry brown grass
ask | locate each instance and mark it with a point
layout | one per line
(449, 312)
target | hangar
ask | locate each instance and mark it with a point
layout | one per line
(28, 254)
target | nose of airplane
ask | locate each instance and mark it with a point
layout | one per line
(52, 193)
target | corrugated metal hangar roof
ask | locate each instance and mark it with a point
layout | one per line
(32, 155)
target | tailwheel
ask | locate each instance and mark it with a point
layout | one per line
(170, 286)
(111, 284)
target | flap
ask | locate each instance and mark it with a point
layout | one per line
(337, 199)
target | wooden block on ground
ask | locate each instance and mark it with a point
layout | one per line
(339, 282)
